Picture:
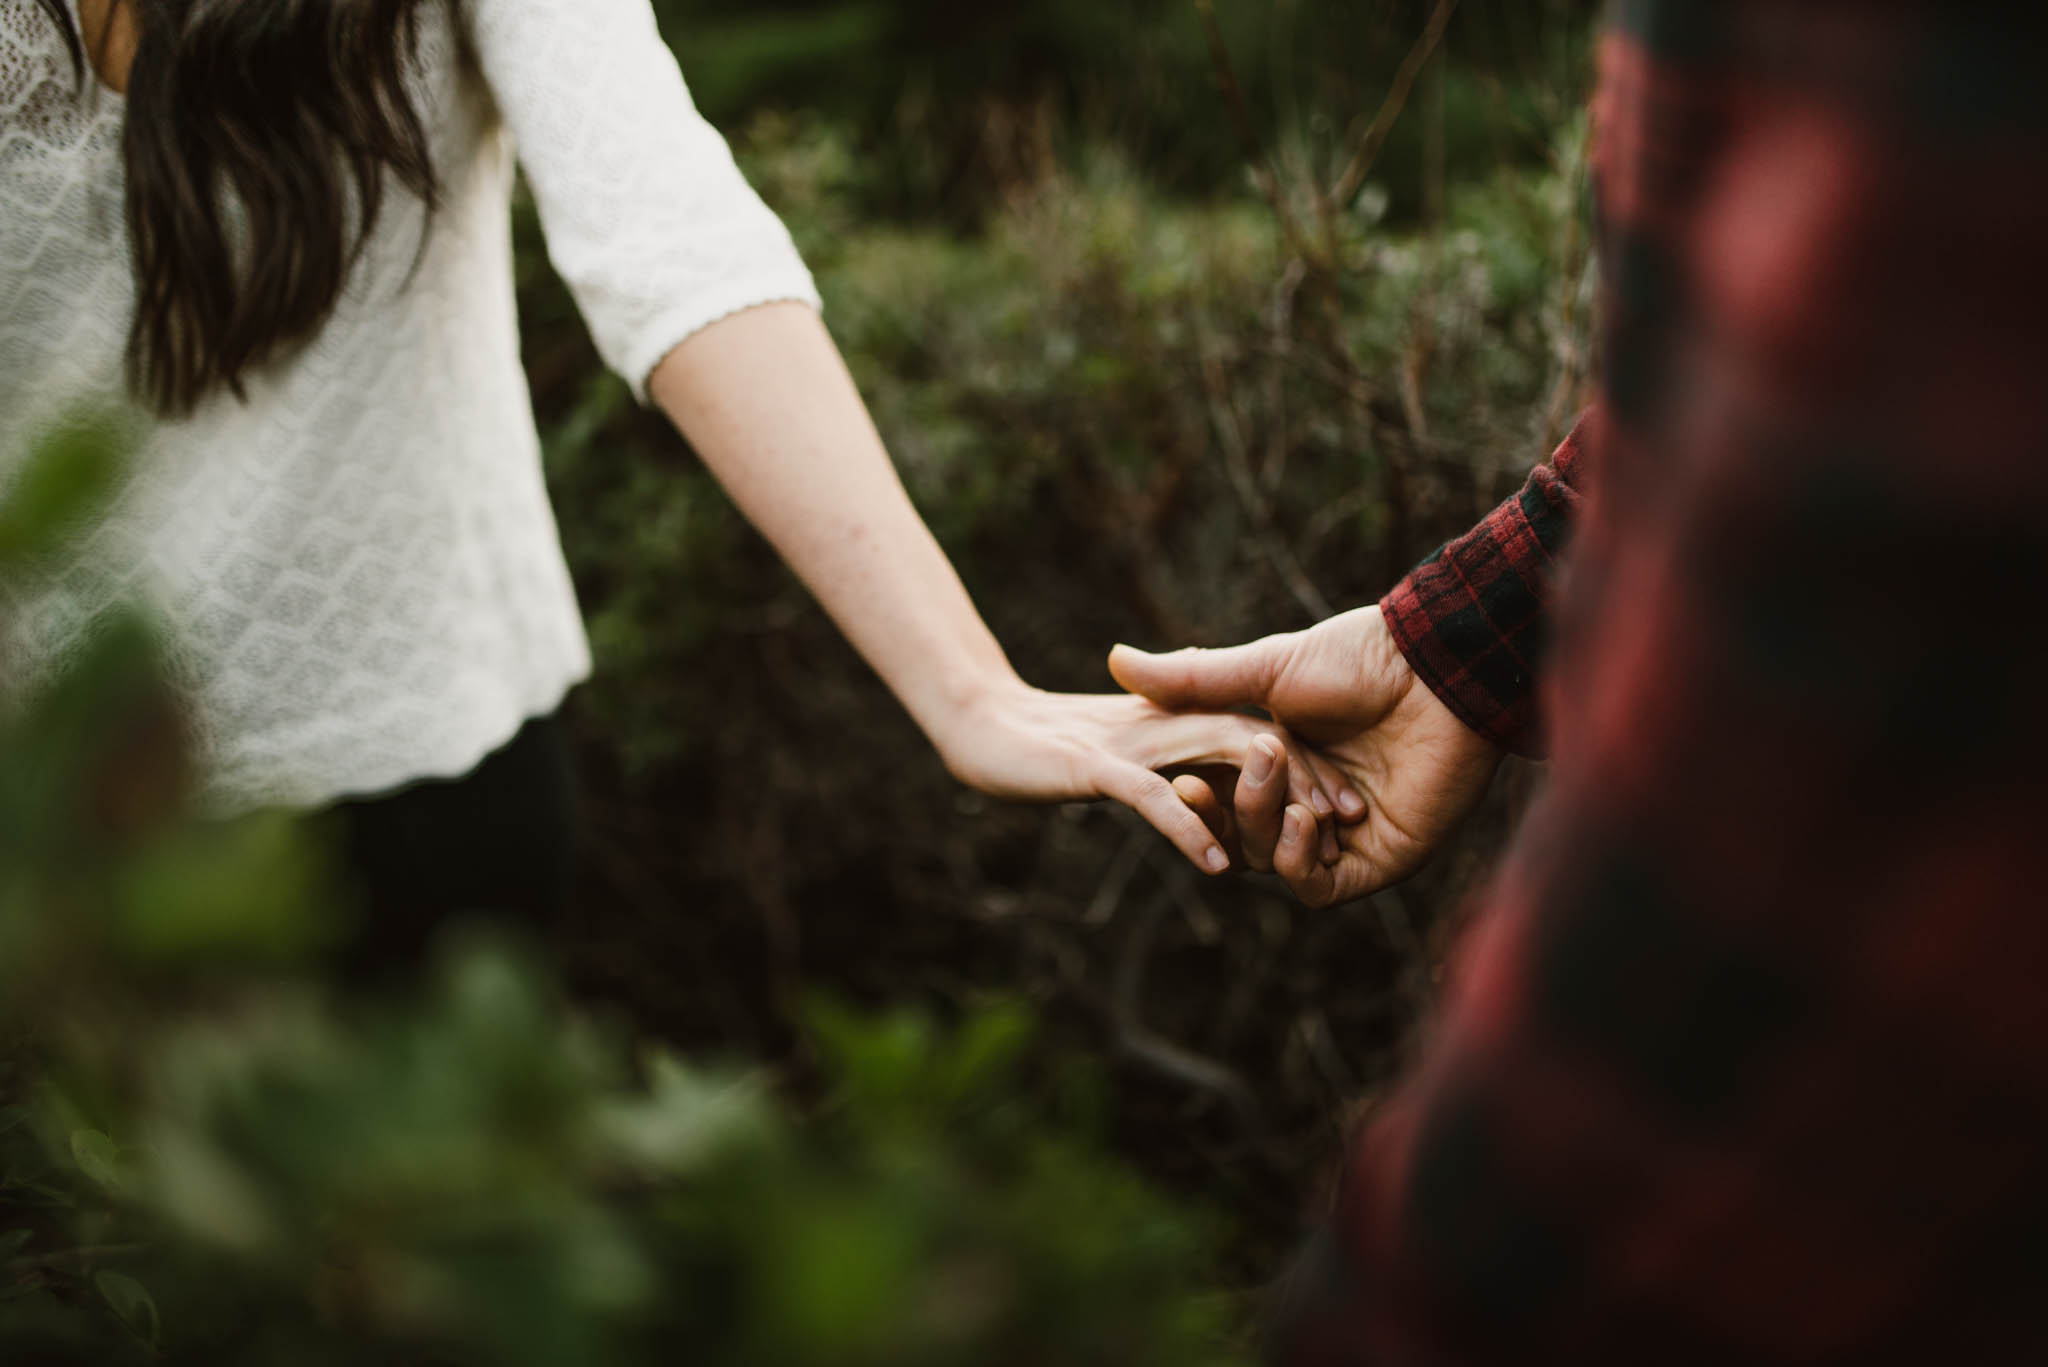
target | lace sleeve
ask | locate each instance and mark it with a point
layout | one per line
(646, 216)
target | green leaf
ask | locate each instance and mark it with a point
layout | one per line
(69, 475)
(685, 1120)
(96, 1158)
(251, 889)
(132, 1302)
(988, 1049)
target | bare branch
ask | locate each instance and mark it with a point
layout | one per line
(1110, 895)
(1353, 180)
(1263, 174)
(1258, 511)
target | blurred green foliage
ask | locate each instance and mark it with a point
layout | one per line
(945, 101)
(208, 1157)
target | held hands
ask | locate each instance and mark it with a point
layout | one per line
(1351, 787)
(814, 478)
(1015, 741)
(1343, 687)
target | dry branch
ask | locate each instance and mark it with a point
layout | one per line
(1263, 175)
(1353, 179)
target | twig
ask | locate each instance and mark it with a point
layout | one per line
(1237, 464)
(1263, 174)
(1333, 515)
(1314, 1027)
(1127, 985)
(1121, 1010)
(1154, 1051)
(1353, 180)
(1281, 324)
(1414, 361)
(1164, 1057)
(1254, 972)
(1566, 343)
(1202, 921)
(1117, 880)
(1346, 379)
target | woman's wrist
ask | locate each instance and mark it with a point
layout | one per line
(961, 705)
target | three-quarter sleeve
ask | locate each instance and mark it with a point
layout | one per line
(647, 217)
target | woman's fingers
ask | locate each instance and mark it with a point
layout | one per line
(1153, 798)
(1351, 805)
(1194, 738)
(1296, 859)
(1293, 778)
(1261, 797)
(1305, 786)
(1200, 795)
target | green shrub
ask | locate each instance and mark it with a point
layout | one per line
(207, 1156)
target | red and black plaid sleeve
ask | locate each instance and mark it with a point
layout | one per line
(1745, 1060)
(1473, 619)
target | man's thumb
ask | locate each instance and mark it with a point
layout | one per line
(1236, 676)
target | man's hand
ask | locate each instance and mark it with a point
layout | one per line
(1343, 687)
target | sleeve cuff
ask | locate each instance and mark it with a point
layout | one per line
(1473, 620)
(1462, 652)
(672, 327)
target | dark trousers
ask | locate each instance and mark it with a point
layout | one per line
(497, 845)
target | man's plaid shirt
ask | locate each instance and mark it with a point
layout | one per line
(1746, 1057)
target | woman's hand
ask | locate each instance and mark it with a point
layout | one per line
(1017, 742)
(1343, 687)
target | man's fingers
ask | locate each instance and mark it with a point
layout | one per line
(1236, 676)
(1261, 797)
(1153, 798)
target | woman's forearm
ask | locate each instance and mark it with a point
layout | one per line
(767, 401)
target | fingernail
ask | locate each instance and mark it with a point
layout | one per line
(1350, 803)
(1216, 859)
(1291, 824)
(1319, 802)
(1259, 767)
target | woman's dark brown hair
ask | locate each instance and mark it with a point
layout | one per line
(295, 112)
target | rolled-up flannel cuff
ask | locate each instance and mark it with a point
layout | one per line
(1473, 620)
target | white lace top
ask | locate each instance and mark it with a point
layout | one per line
(358, 568)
